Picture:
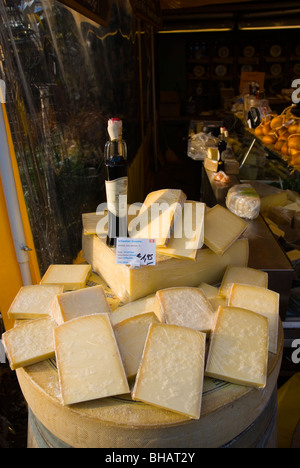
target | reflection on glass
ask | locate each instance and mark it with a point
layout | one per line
(66, 76)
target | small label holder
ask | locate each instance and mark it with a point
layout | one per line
(136, 252)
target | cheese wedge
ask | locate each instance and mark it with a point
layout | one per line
(71, 277)
(172, 370)
(213, 295)
(132, 284)
(139, 307)
(209, 290)
(131, 336)
(242, 275)
(222, 229)
(88, 360)
(74, 304)
(238, 351)
(158, 216)
(33, 302)
(217, 302)
(269, 195)
(29, 343)
(188, 235)
(213, 154)
(262, 301)
(187, 307)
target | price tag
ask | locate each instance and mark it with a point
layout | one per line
(136, 252)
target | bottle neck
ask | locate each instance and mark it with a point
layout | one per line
(116, 148)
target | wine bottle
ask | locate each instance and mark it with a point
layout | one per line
(116, 184)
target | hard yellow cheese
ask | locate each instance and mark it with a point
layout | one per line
(71, 277)
(242, 275)
(29, 343)
(88, 360)
(158, 216)
(262, 301)
(132, 284)
(139, 307)
(222, 229)
(188, 235)
(131, 336)
(172, 370)
(209, 290)
(238, 351)
(33, 302)
(74, 304)
(187, 307)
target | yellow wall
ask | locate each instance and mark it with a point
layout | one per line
(10, 275)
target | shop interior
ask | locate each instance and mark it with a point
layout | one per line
(164, 68)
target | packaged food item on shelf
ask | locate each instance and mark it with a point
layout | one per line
(243, 201)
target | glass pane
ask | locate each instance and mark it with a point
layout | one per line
(65, 77)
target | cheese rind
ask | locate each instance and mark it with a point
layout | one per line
(158, 216)
(29, 343)
(71, 277)
(262, 301)
(172, 370)
(131, 336)
(186, 307)
(33, 302)
(74, 304)
(88, 360)
(132, 284)
(222, 229)
(238, 351)
(242, 275)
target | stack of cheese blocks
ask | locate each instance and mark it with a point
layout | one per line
(158, 348)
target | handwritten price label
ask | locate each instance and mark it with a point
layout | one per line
(136, 252)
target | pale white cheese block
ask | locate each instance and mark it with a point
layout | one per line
(222, 229)
(242, 275)
(88, 360)
(188, 235)
(132, 284)
(74, 304)
(33, 302)
(262, 301)
(139, 307)
(30, 342)
(71, 277)
(186, 307)
(131, 336)
(172, 370)
(238, 351)
(158, 216)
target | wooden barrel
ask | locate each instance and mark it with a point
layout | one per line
(231, 415)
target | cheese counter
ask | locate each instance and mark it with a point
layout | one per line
(265, 253)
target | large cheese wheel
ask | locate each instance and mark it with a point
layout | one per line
(231, 415)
